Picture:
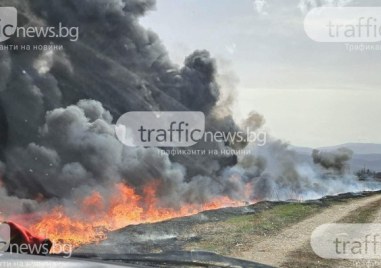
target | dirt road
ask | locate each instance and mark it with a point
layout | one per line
(275, 250)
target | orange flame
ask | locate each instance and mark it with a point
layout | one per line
(99, 216)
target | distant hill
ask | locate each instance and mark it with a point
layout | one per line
(358, 148)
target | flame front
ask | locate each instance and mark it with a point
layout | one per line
(98, 216)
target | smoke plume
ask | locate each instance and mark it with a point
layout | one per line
(336, 161)
(58, 108)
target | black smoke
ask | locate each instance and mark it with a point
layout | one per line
(57, 110)
(336, 161)
(58, 107)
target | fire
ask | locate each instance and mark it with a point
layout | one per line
(97, 216)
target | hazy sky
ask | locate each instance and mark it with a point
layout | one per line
(311, 94)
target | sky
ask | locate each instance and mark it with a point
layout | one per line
(311, 94)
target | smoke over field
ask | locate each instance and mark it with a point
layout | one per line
(58, 145)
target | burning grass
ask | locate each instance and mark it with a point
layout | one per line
(97, 216)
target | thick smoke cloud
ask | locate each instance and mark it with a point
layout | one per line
(58, 108)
